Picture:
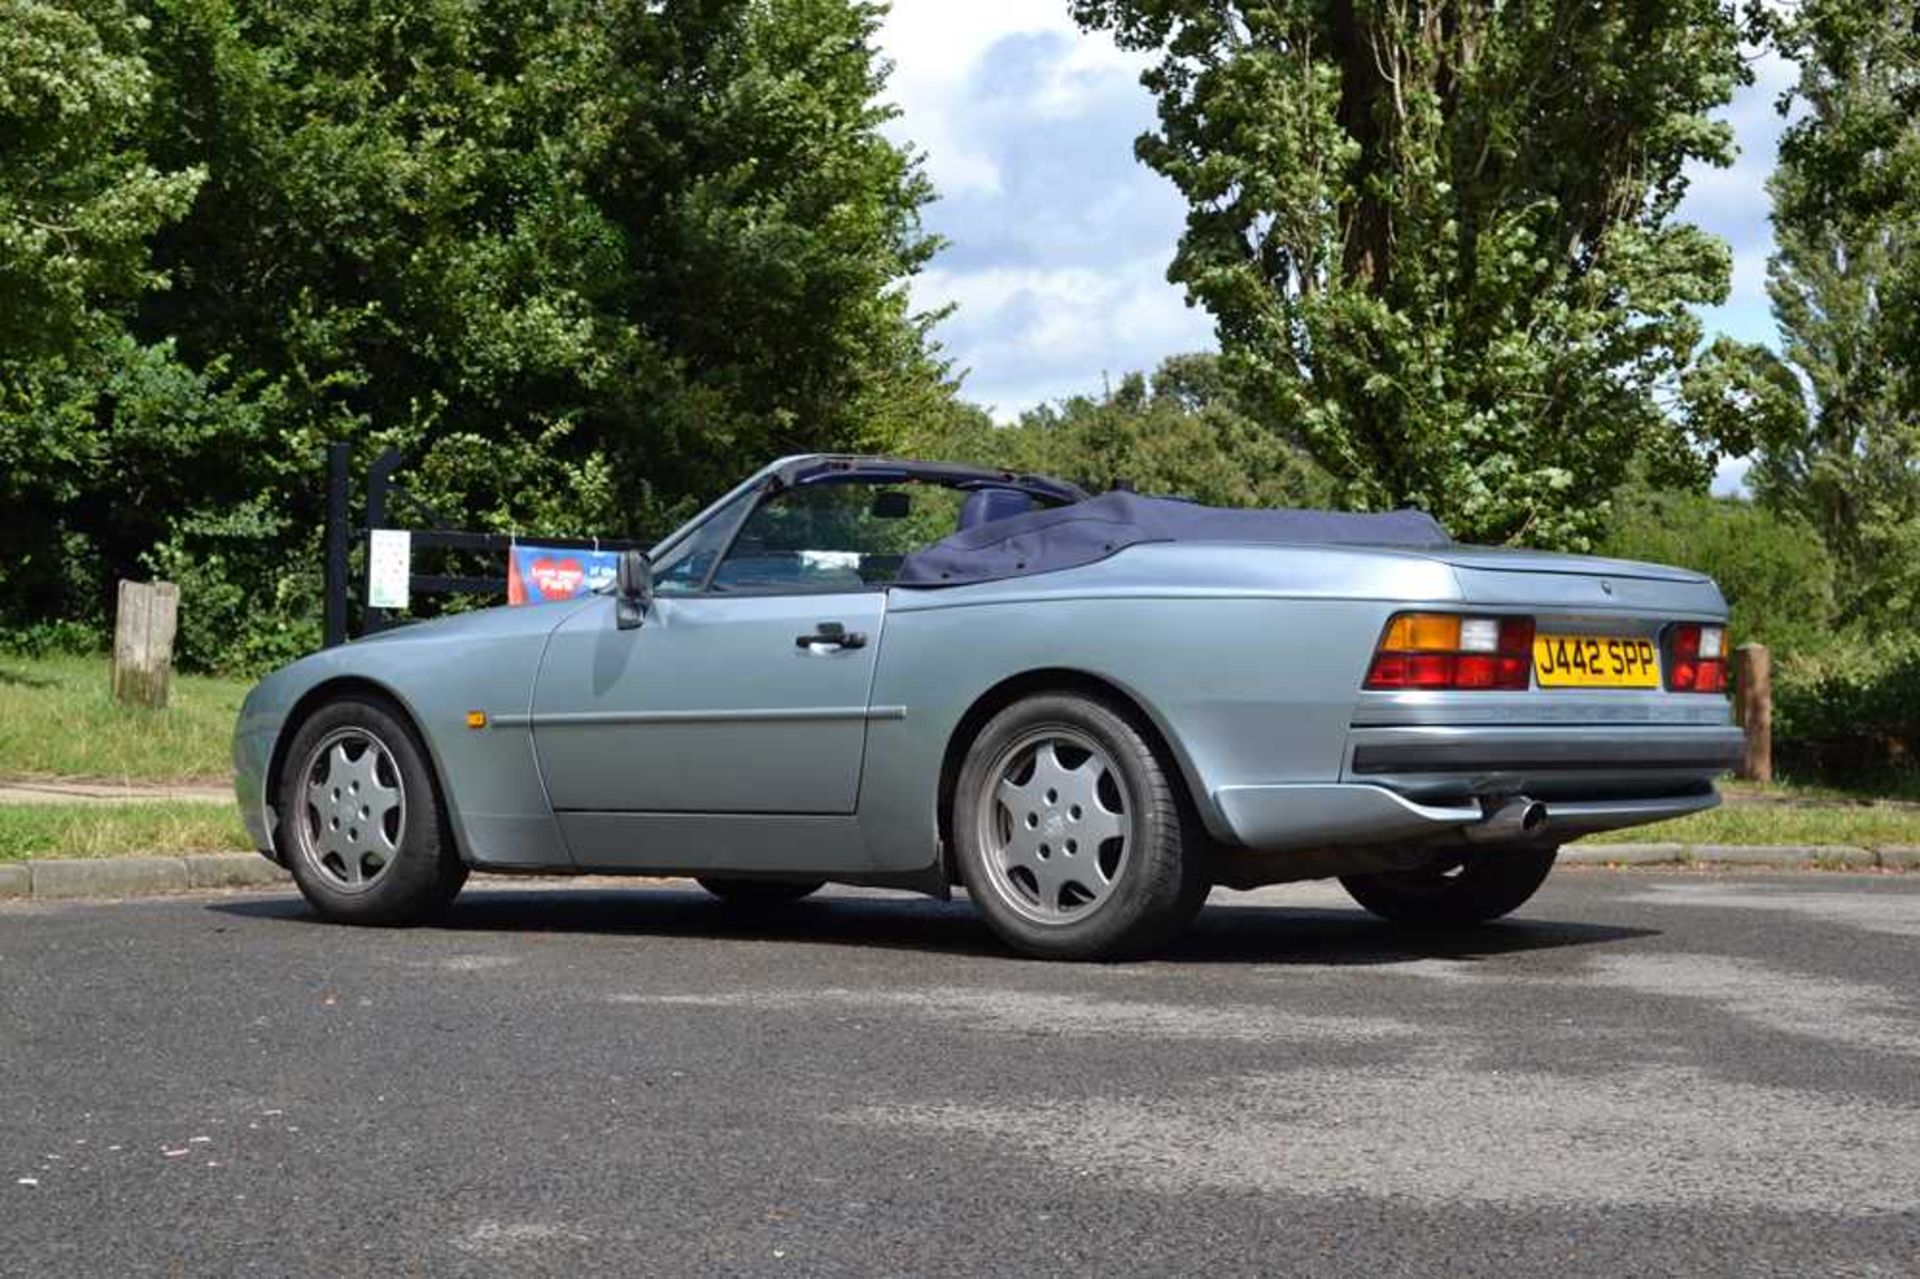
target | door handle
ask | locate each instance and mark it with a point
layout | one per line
(831, 635)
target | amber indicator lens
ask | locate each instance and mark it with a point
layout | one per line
(1448, 651)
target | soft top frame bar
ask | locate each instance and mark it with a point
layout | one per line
(849, 469)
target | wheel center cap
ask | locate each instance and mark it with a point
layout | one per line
(1055, 824)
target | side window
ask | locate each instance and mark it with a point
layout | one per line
(682, 570)
(836, 536)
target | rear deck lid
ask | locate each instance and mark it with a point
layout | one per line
(1499, 559)
(1564, 588)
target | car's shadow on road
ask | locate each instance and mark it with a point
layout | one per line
(1226, 932)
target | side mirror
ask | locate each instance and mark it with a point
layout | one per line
(633, 588)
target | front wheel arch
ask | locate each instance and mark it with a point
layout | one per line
(1057, 680)
(333, 690)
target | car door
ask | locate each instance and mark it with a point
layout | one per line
(745, 689)
(727, 732)
(716, 703)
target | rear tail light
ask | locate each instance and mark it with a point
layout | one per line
(1696, 658)
(1443, 651)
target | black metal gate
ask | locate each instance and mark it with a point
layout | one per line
(341, 533)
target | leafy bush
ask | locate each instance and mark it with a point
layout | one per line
(1851, 707)
(246, 606)
(1775, 572)
(55, 637)
(1846, 694)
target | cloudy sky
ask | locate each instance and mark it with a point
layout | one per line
(1059, 240)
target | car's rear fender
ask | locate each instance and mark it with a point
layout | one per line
(1240, 689)
(1053, 680)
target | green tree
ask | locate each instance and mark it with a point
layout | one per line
(1839, 442)
(1777, 576)
(1181, 433)
(1437, 239)
(78, 201)
(670, 238)
(584, 261)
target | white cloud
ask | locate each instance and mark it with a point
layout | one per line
(937, 47)
(1058, 239)
(1028, 335)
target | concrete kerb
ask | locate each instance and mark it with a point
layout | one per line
(1836, 856)
(1623, 854)
(108, 877)
(1825, 856)
(60, 877)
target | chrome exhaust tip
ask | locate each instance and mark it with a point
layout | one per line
(1514, 819)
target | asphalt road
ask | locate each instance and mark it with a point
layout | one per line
(1646, 1072)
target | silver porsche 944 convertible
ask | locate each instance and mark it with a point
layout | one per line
(1088, 710)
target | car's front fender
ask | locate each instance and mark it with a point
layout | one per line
(438, 673)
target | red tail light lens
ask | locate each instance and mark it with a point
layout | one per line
(1444, 651)
(1475, 670)
(1696, 658)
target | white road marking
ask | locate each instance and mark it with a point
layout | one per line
(490, 1238)
(1895, 913)
(1432, 1131)
(1857, 1014)
(1025, 1012)
(1850, 1013)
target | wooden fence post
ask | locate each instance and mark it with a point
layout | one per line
(143, 629)
(1753, 709)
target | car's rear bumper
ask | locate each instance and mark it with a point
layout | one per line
(1418, 783)
(1291, 818)
(1629, 751)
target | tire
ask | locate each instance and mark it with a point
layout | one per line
(1088, 850)
(759, 892)
(1469, 888)
(387, 860)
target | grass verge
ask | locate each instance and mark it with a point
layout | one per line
(1774, 825)
(118, 830)
(58, 719)
(1900, 787)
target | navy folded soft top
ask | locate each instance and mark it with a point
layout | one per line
(1081, 533)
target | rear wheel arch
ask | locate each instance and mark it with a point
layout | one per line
(1057, 680)
(333, 690)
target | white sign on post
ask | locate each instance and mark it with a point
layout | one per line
(389, 566)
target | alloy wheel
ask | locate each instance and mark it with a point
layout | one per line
(354, 809)
(1057, 825)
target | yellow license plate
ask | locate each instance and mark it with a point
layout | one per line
(1595, 661)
